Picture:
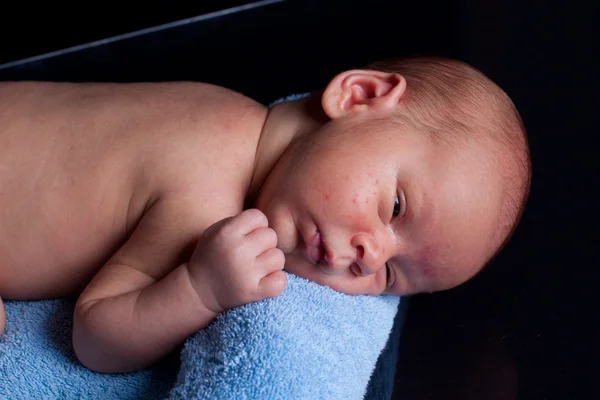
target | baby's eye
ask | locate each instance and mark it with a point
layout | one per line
(396, 207)
(399, 205)
(388, 276)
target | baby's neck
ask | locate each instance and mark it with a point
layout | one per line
(285, 122)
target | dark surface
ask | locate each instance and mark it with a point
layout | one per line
(265, 53)
(529, 323)
(526, 327)
(29, 30)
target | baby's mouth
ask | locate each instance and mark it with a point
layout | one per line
(315, 248)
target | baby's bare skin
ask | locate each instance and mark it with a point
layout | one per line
(79, 165)
(139, 195)
(83, 168)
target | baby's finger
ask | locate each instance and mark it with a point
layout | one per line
(273, 284)
(248, 220)
(261, 240)
(270, 261)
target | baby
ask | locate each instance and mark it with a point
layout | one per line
(163, 204)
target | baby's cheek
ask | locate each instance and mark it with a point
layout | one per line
(431, 266)
(443, 270)
(428, 272)
(424, 256)
(361, 209)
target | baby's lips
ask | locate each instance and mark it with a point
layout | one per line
(314, 249)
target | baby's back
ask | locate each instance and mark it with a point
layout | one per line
(78, 166)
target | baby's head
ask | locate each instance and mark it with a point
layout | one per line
(412, 178)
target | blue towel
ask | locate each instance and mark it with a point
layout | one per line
(309, 343)
(37, 360)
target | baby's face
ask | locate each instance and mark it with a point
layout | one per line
(363, 209)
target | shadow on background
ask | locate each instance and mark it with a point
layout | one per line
(29, 30)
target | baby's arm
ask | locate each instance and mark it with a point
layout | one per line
(136, 310)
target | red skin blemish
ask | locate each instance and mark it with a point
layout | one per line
(424, 255)
(326, 196)
(428, 272)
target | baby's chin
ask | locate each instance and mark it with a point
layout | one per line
(295, 264)
(282, 223)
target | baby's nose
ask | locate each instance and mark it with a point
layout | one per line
(369, 255)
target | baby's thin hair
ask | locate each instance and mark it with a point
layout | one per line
(451, 103)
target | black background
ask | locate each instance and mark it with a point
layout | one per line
(527, 327)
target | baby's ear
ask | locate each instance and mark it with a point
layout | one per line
(362, 90)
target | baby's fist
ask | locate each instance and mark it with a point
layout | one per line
(237, 261)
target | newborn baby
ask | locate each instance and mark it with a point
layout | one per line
(163, 204)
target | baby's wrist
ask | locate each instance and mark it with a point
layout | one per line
(203, 292)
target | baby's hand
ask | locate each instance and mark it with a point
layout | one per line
(236, 262)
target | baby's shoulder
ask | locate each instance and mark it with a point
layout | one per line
(206, 139)
(205, 112)
(217, 101)
(235, 118)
